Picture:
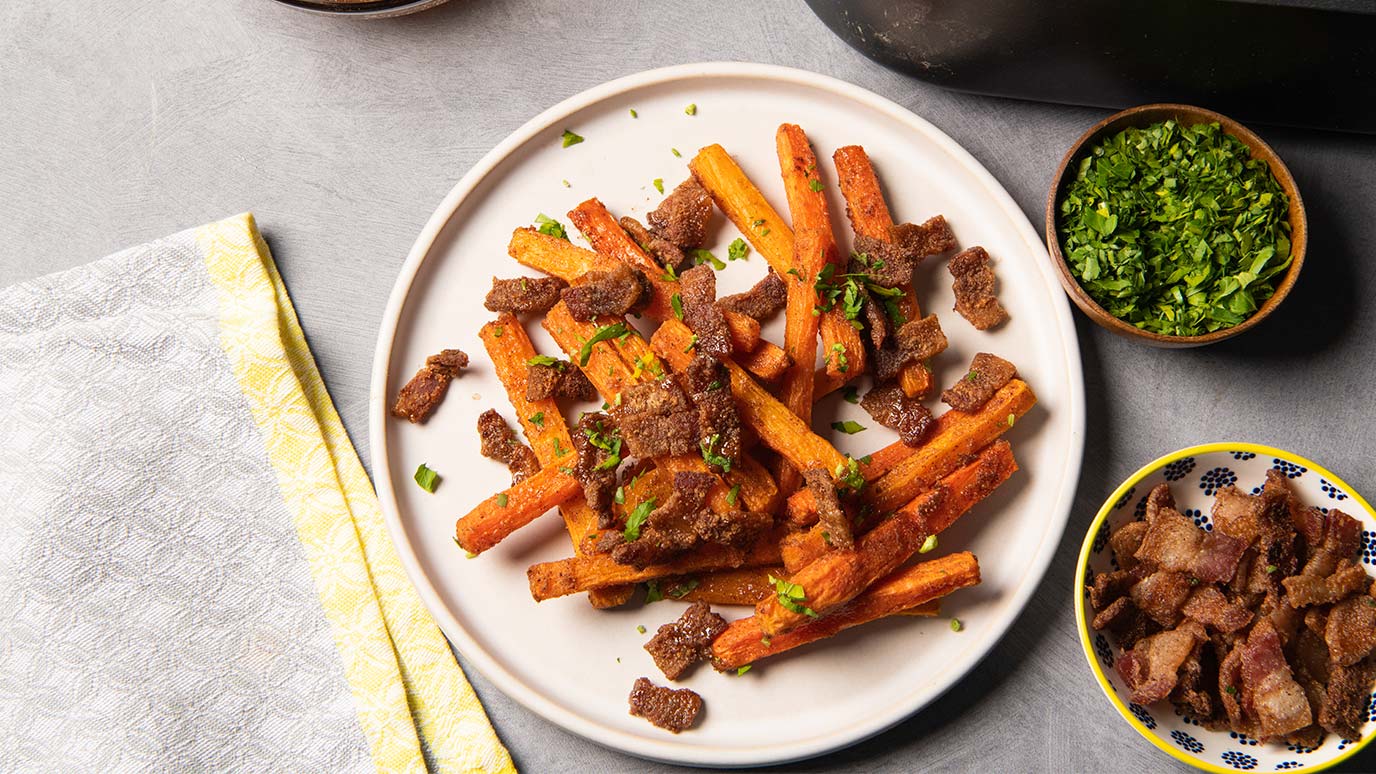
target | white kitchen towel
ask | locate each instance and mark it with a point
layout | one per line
(194, 573)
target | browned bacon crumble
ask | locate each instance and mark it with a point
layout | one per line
(420, 396)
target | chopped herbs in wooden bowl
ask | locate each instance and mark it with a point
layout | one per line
(1171, 223)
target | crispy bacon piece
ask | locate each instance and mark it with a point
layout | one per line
(1305, 590)
(890, 262)
(667, 253)
(1108, 587)
(1230, 688)
(974, 289)
(700, 312)
(1350, 630)
(892, 408)
(1152, 668)
(1173, 542)
(656, 420)
(988, 374)
(922, 339)
(1208, 606)
(682, 217)
(708, 385)
(524, 294)
(1161, 595)
(1126, 540)
(418, 399)
(593, 468)
(764, 300)
(499, 443)
(1125, 620)
(559, 380)
(677, 646)
(1345, 702)
(613, 292)
(1342, 540)
(1269, 687)
(669, 529)
(671, 709)
(829, 513)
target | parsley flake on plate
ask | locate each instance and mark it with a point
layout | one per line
(427, 478)
(569, 138)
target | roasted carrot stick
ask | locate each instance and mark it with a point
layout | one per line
(581, 573)
(777, 427)
(605, 367)
(869, 217)
(744, 206)
(768, 361)
(897, 473)
(550, 254)
(838, 576)
(907, 589)
(505, 512)
(800, 548)
(510, 349)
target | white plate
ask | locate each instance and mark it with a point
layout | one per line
(574, 665)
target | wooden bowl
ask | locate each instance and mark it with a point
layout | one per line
(1186, 116)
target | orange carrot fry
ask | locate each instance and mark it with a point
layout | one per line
(779, 428)
(550, 254)
(908, 590)
(745, 332)
(741, 586)
(581, 573)
(869, 217)
(605, 367)
(813, 247)
(957, 435)
(801, 548)
(510, 349)
(505, 512)
(838, 576)
(744, 206)
(768, 361)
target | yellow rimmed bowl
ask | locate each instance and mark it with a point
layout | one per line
(1195, 475)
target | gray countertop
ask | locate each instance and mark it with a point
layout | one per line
(122, 122)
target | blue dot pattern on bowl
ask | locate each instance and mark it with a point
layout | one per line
(1187, 742)
(1344, 743)
(1132, 490)
(1368, 546)
(1243, 738)
(1217, 479)
(1284, 765)
(1287, 468)
(1239, 760)
(1333, 492)
(1174, 471)
(1371, 708)
(1100, 538)
(1140, 712)
(1104, 652)
(1242, 455)
(1140, 509)
(1200, 518)
(1299, 748)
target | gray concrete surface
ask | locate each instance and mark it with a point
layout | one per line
(121, 122)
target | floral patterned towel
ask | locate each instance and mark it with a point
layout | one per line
(194, 573)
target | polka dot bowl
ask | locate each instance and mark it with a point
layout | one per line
(1195, 475)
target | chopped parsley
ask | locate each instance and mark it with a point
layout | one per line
(674, 151)
(1177, 230)
(652, 592)
(848, 427)
(559, 449)
(659, 184)
(1011, 419)
(676, 301)
(607, 442)
(838, 350)
(850, 394)
(928, 545)
(867, 459)
(701, 256)
(546, 360)
(603, 333)
(538, 419)
(757, 222)
(681, 590)
(640, 628)
(742, 670)
(498, 331)
(693, 342)
(733, 496)
(636, 518)
(791, 596)
(692, 109)
(973, 376)
(634, 114)
(569, 138)
(427, 478)
(1270, 568)
(550, 227)
(711, 453)
(956, 625)
(669, 274)
(815, 185)
(738, 250)
(502, 500)
(566, 183)
(620, 497)
(848, 473)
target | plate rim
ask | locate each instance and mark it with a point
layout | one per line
(1081, 568)
(527, 696)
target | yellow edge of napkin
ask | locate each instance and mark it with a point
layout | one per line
(400, 670)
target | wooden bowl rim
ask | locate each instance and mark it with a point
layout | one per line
(1188, 114)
